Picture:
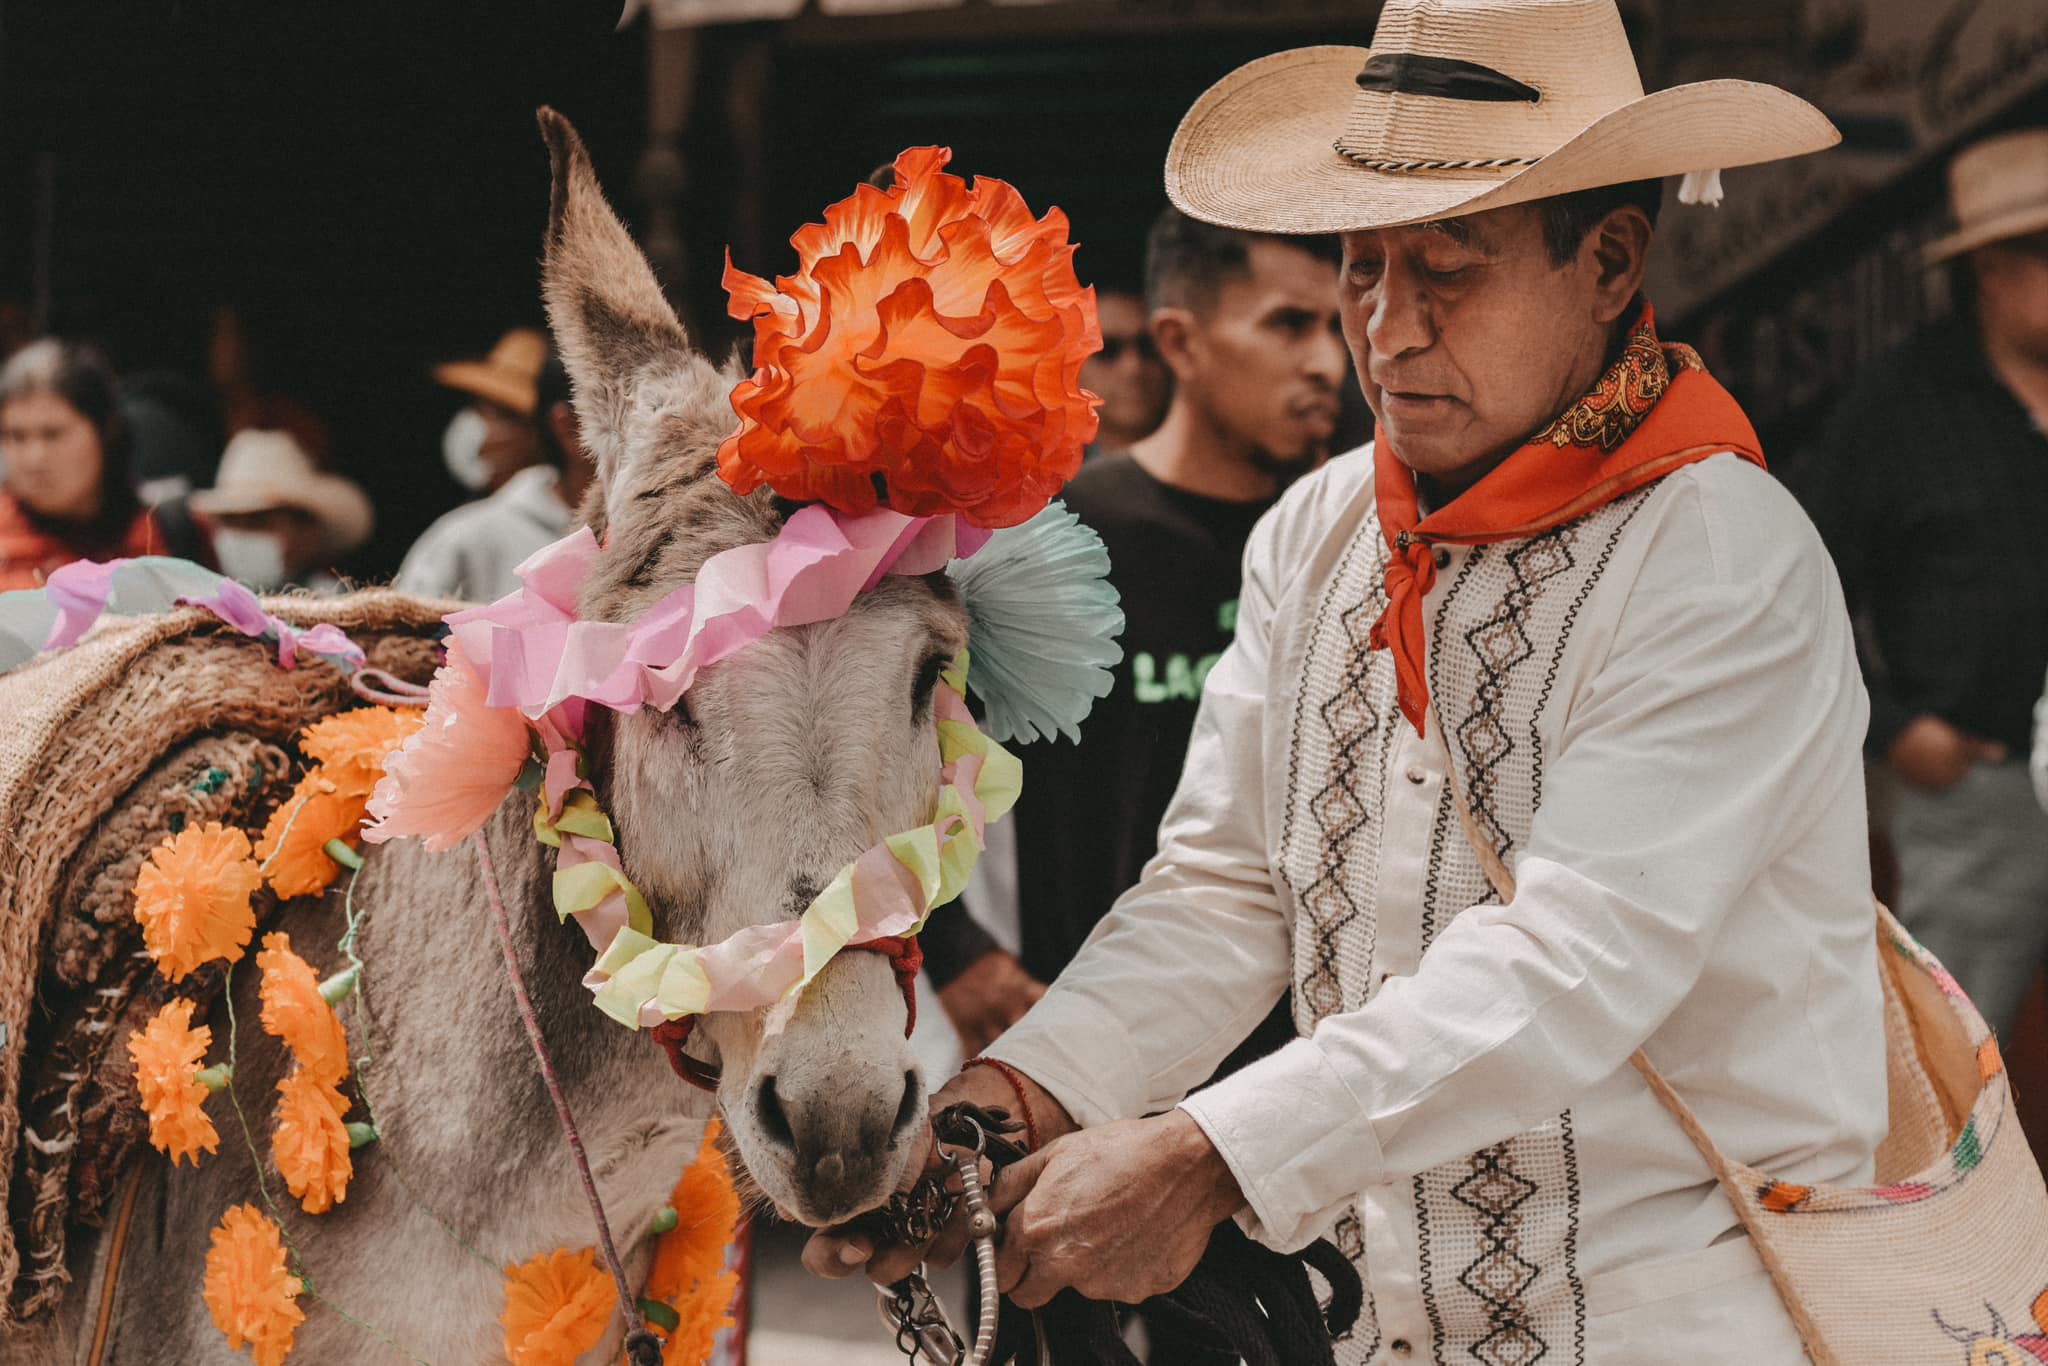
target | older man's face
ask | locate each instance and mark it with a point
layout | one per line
(1467, 338)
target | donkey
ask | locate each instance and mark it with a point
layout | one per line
(733, 809)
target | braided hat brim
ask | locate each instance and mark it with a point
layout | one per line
(1257, 152)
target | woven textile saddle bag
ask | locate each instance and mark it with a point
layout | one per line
(1945, 1259)
(146, 725)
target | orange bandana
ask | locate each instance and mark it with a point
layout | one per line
(1654, 410)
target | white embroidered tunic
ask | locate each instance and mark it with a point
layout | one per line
(1657, 719)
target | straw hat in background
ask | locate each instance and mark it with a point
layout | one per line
(508, 377)
(1997, 190)
(1460, 106)
(261, 471)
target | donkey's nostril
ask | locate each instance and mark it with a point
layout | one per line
(906, 1110)
(773, 1121)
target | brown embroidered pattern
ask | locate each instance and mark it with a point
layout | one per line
(1501, 643)
(1500, 1277)
(1623, 395)
(1341, 808)
(1337, 763)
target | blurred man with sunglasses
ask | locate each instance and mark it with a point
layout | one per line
(1126, 374)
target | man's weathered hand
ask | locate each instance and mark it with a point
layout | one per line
(1122, 1212)
(990, 994)
(1934, 756)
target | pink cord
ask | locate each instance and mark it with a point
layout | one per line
(638, 1339)
(374, 685)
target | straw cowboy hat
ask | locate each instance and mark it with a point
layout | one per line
(263, 471)
(1997, 190)
(509, 376)
(1459, 106)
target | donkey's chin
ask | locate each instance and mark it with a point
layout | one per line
(834, 1189)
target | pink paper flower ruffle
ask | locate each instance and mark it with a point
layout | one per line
(538, 652)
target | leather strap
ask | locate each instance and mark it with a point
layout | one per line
(905, 955)
(110, 1271)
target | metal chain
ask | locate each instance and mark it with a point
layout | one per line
(909, 1307)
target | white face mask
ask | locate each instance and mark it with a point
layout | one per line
(253, 558)
(462, 450)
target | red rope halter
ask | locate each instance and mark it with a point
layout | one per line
(905, 955)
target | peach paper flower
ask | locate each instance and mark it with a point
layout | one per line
(310, 1142)
(166, 1054)
(192, 898)
(556, 1308)
(294, 1011)
(452, 773)
(248, 1290)
(294, 843)
(931, 340)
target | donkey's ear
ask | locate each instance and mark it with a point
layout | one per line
(609, 318)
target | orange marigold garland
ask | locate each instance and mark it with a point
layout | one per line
(329, 803)
(689, 1274)
(351, 746)
(310, 1142)
(295, 1011)
(249, 1292)
(293, 847)
(931, 341)
(192, 898)
(166, 1055)
(556, 1308)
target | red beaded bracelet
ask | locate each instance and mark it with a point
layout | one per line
(1009, 1074)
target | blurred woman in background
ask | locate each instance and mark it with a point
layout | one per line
(69, 492)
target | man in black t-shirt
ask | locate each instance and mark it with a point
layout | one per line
(1248, 325)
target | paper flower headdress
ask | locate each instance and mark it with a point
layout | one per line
(929, 347)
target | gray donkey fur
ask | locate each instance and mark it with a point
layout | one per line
(786, 762)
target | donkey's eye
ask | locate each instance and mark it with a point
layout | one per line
(927, 679)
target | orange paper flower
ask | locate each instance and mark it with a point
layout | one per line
(293, 844)
(310, 1142)
(556, 1308)
(294, 1011)
(931, 339)
(454, 772)
(166, 1055)
(700, 1321)
(706, 1209)
(351, 746)
(248, 1290)
(192, 898)
(689, 1272)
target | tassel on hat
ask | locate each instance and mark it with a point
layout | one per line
(1700, 187)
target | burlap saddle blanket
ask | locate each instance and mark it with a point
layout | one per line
(105, 749)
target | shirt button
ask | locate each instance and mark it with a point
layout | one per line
(1416, 775)
(1400, 1347)
(1443, 559)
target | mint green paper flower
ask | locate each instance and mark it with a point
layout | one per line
(1044, 622)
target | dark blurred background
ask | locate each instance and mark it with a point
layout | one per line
(358, 191)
